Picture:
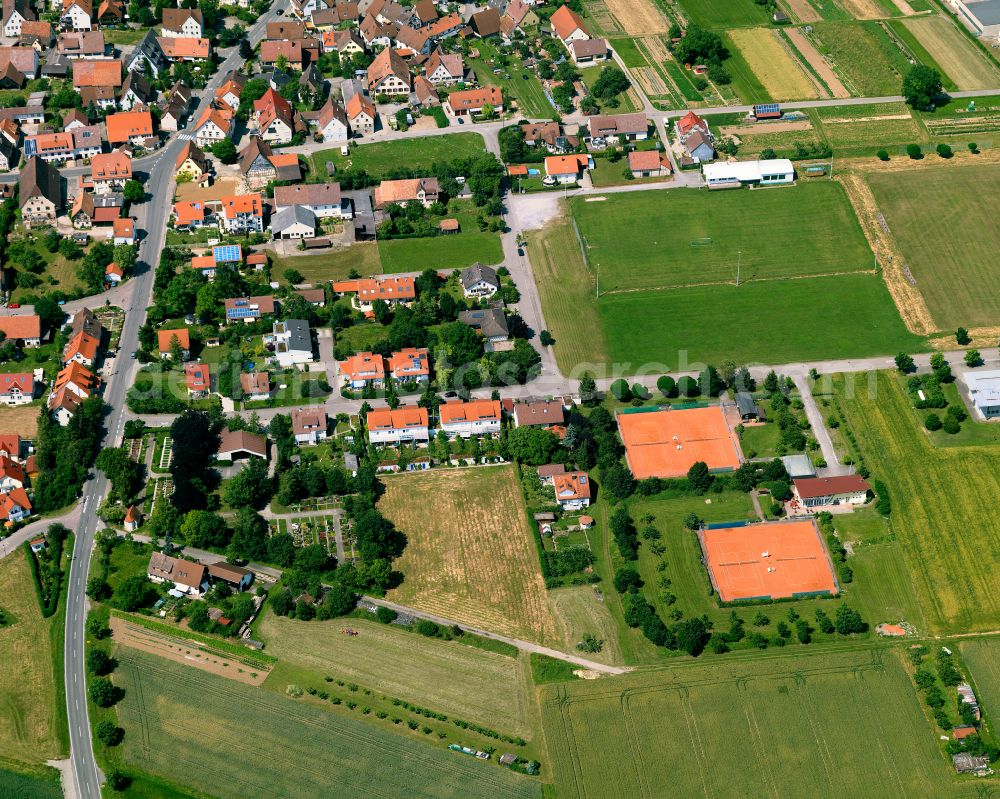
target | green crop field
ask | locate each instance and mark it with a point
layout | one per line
(725, 13)
(448, 676)
(29, 785)
(415, 153)
(745, 82)
(680, 238)
(982, 656)
(456, 251)
(227, 740)
(847, 724)
(870, 63)
(943, 218)
(868, 126)
(942, 504)
(628, 52)
(823, 317)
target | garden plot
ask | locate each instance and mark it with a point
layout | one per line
(166, 454)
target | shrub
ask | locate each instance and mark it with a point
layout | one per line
(882, 155)
(914, 151)
(944, 150)
(932, 422)
(620, 391)
(950, 425)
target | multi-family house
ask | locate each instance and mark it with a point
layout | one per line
(469, 419)
(389, 75)
(242, 213)
(410, 365)
(362, 370)
(402, 425)
(214, 125)
(323, 199)
(183, 23)
(40, 193)
(16, 388)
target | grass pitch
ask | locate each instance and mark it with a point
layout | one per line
(949, 242)
(29, 718)
(685, 238)
(231, 741)
(448, 676)
(470, 557)
(942, 504)
(842, 316)
(795, 721)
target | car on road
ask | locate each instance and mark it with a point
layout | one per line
(451, 394)
(134, 353)
(14, 305)
(280, 11)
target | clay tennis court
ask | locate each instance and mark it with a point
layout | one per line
(666, 443)
(767, 561)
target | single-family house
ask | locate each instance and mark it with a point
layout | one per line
(405, 424)
(77, 15)
(362, 370)
(198, 378)
(490, 323)
(123, 231)
(17, 388)
(393, 290)
(14, 505)
(568, 168)
(256, 386)
(191, 161)
(538, 414)
(11, 475)
(473, 101)
(361, 114)
(76, 379)
(134, 127)
(15, 14)
(109, 171)
(24, 330)
(191, 216)
(632, 127)
(293, 222)
(113, 274)
(422, 190)
(214, 125)
(63, 405)
(185, 48)
(275, 118)
(648, 164)
(260, 165)
(238, 578)
(568, 26)
(332, 126)
(82, 348)
(485, 23)
(166, 340)
(136, 92)
(479, 280)
(188, 577)
(410, 365)
(323, 199)
(292, 341)
(587, 52)
(572, 490)
(248, 309)
(309, 425)
(468, 419)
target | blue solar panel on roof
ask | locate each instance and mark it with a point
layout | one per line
(767, 108)
(226, 253)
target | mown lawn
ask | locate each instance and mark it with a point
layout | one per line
(418, 153)
(455, 251)
(679, 238)
(781, 321)
(942, 504)
(336, 265)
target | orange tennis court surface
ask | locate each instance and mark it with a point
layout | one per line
(770, 560)
(666, 443)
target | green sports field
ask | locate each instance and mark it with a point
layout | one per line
(765, 322)
(230, 740)
(685, 238)
(845, 724)
(945, 222)
(942, 502)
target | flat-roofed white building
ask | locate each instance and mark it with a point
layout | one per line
(724, 175)
(984, 389)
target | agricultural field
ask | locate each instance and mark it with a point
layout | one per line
(638, 17)
(626, 738)
(416, 153)
(869, 62)
(946, 239)
(842, 316)
(941, 501)
(725, 13)
(982, 656)
(966, 117)
(628, 52)
(958, 58)
(770, 60)
(745, 82)
(566, 289)
(692, 238)
(868, 127)
(41, 784)
(870, 9)
(448, 676)
(471, 557)
(455, 251)
(31, 710)
(782, 137)
(336, 265)
(254, 742)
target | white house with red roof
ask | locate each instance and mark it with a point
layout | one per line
(410, 365)
(819, 492)
(362, 370)
(16, 388)
(572, 490)
(11, 475)
(468, 419)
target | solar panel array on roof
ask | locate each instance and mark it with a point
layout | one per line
(766, 109)
(227, 253)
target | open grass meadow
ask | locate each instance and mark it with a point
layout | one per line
(419, 153)
(579, 611)
(845, 724)
(949, 243)
(29, 695)
(867, 127)
(982, 657)
(471, 556)
(942, 504)
(869, 62)
(843, 316)
(336, 265)
(455, 251)
(42, 783)
(683, 238)
(566, 289)
(448, 676)
(628, 52)
(725, 13)
(230, 740)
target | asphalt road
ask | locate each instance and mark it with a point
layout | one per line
(152, 216)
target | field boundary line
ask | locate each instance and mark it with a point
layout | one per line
(742, 281)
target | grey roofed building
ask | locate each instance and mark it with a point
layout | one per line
(148, 51)
(312, 78)
(298, 336)
(491, 322)
(746, 406)
(136, 83)
(798, 466)
(479, 273)
(291, 215)
(38, 179)
(56, 65)
(351, 463)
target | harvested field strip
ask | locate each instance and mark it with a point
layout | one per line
(451, 677)
(802, 11)
(471, 556)
(254, 743)
(638, 17)
(959, 58)
(745, 82)
(774, 710)
(918, 51)
(811, 56)
(770, 61)
(865, 9)
(942, 503)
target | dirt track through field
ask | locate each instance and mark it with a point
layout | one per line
(638, 17)
(816, 61)
(188, 652)
(909, 301)
(803, 11)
